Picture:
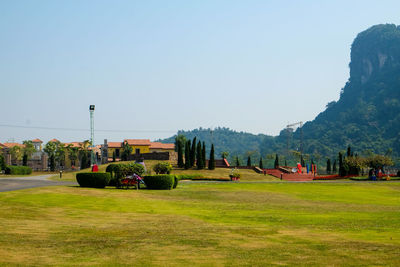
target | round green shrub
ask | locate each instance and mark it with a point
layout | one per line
(163, 168)
(24, 170)
(162, 181)
(93, 179)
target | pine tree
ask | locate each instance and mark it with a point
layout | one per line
(114, 156)
(211, 162)
(52, 160)
(193, 153)
(328, 166)
(187, 155)
(203, 155)
(248, 161)
(276, 164)
(285, 163)
(180, 155)
(190, 153)
(303, 164)
(349, 151)
(199, 162)
(334, 166)
(261, 165)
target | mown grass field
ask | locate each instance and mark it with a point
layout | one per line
(204, 224)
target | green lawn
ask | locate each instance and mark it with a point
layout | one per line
(204, 224)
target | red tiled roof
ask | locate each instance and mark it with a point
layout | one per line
(2, 146)
(74, 144)
(37, 140)
(114, 144)
(10, 145)
(54, 140)
(158, 145)
(138, 142)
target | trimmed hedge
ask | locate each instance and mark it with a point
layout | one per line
(163, 181)
(93, 179)
(18, 170)
(163, 168)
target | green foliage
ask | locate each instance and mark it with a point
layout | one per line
(126, 152)
(24, 170)
(162, 181)
(176, 181)
(248, 161)
(237, 161)
(162, 168)
(25, 160)
(181, 164)
(85, 162)
(114, 156)
(193, 152)
(211, 162)
(378, 161)
(328, 166)
(52, 162)
(334, 170)
(180, 140)
(203, 156)
(93, 179)
(2, 162)
(276, 163)
(235, 174)
(199, 157)
(28, 149)
(260, 164)
(187, 155)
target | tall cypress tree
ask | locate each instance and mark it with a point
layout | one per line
(193, 152)
(276, 164)
(334, 166)
(248, 161)
(180, 155)
(187, 155)
(203, 155)
(303, 164)
(199, 162)
(261, 165)
(341, 168)
(328, 166)
(211, 162)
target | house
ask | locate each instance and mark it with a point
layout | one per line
(37, 161)
(161, 147)
(141, 149)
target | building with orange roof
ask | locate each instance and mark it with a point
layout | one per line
(141, 149)
(161, 147)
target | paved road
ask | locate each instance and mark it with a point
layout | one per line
(17, 183)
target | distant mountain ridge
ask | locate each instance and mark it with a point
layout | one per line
(367, 115)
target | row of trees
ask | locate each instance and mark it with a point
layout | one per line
(191, 153)
(58, 151)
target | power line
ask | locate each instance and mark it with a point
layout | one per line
(85, 130)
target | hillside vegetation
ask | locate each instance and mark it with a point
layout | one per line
(366, 117)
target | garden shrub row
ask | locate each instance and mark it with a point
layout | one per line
(18, 170)
(93, 179)
(161, 181)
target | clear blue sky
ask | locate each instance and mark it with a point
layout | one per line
(159, 66)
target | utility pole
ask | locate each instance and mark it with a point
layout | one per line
(92, 157)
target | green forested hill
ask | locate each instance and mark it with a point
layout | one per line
(366, 117)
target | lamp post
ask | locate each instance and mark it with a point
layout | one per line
(92, 158)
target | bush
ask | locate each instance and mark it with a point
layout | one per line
(119, 171)
(176, 180)
(18, 170)
(164, 181)
(163, 168)
(93, 179)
